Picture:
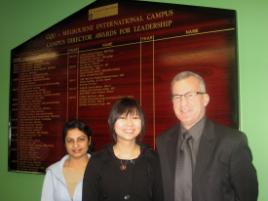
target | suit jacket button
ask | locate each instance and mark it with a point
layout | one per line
(126, 197)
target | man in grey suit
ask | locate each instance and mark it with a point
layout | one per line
(202, 160)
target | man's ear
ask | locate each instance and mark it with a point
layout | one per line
(206, 99)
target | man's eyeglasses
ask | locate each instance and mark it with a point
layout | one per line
(189, 96)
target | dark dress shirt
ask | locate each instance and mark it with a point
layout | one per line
(196, 133)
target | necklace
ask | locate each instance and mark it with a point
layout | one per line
(134, 153)
(123, 165)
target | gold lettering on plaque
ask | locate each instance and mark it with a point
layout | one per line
(192, 31)
(78, 30)
(147, 38)
(152, 26)
(125, 30)
(106, 34)
(119, 22)
(160, 15)
(79, 39)
(103, 11)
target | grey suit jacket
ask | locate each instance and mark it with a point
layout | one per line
(223, 171)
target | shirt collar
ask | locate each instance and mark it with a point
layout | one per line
(196, 130)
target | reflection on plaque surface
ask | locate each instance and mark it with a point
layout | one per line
(81, 65)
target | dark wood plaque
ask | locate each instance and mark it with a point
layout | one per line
(109, 49)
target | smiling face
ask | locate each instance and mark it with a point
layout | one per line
(189, 110)
(76, 143)
(126, 120)
(128, 127)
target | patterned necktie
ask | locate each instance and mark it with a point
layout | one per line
(184, 170)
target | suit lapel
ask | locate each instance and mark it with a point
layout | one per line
(205, 152)
(172, 150)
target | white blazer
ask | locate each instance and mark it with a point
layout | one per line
(55, 187)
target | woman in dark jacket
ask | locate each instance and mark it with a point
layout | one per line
(126, 169)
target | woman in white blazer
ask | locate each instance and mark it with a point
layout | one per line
(63, 179)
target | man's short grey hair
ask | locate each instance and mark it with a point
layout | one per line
(186, 74)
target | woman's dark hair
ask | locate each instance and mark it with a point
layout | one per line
(75, 123)
(126, 106)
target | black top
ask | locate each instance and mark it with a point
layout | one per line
(107, 179)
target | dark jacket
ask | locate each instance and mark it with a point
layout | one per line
(141, 181)
(223, 171)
